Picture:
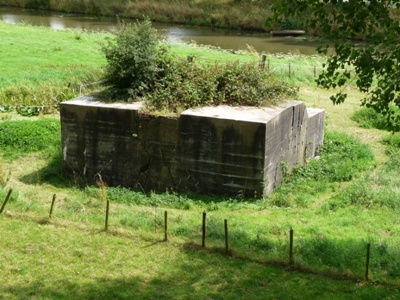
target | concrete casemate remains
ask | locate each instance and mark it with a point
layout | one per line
(210, 150)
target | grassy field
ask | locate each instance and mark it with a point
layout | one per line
(53, 66)
(70, 256)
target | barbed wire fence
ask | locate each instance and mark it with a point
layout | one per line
(284, 69)
(361, 259)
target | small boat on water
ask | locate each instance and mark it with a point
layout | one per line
(287, 32)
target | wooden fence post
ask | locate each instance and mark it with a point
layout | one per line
(52, 206)
(166, 226)
(203, 241)
(289, 70)
(291, 261)
(367, 263)
(6, 200)
(262, 62)
(107, 211)
(226, 235)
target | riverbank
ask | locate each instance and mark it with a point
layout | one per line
(235, 14)
(64, 63)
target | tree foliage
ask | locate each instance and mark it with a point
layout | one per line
(374, 66)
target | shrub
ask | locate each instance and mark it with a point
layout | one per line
(191, 85)
(136, 59)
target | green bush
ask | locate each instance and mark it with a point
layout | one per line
(192, 84)
(135, 59)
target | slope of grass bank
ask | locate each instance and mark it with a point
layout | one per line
(243, 14)
(44, 67)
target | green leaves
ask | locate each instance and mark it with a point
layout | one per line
(193, 84)
(373, 65)
(135, 59)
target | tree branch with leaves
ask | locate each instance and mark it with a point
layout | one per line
(373, 65)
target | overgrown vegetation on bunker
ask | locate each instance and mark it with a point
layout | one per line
(141, 67)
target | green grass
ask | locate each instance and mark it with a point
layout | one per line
(22, 137)
(49, 69)
(46, 261)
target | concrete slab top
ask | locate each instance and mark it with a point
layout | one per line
(240, 113)
(314, 111)
(90, 100)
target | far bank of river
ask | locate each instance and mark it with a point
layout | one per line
(175, 33)
(233, 14)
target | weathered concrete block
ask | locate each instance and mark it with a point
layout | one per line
(314, 131)
(97, 140)
(222, 150)
(213, 150)
(158, 139)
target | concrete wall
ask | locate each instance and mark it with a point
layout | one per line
(212, 150)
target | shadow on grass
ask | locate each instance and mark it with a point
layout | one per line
(52, 174)
(203, 276)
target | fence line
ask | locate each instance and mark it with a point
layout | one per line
(228, 250)
(285, 68)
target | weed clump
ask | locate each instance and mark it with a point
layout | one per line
(232, 83)
(18, 138)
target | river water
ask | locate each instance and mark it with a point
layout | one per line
(223, 38)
